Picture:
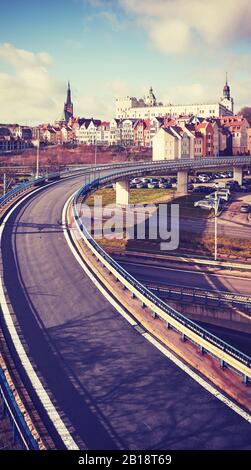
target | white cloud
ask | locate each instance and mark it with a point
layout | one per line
(179, 26)
(28, 93)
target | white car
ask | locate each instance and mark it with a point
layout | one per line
(136, 181)
(204, 204)
(220, 195)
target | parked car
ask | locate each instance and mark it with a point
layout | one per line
(195, 180)
(203, 189)
(153, 180)
(246, 181)
(165, 185)
(204, 204)
(204, 178)
(136, 180)
(245, 208)
(221, 195)
(244, 189)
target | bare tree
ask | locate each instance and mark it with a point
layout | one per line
(246, 112)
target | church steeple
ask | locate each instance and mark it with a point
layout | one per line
(226, 90)
(68, 107)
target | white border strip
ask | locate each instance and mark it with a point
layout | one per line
(35, 381)
(207, 386)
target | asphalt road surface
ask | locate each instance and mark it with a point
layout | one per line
(112, 388)
(188, 277)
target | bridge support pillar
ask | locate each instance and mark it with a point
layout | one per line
(238, 174)
(122, 193)
(182, 180)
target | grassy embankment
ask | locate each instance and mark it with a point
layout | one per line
(197, 244)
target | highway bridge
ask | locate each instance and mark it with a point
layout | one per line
(97, 379)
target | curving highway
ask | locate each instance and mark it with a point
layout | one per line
(112, 388)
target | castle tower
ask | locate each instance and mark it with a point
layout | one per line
(150, 99)
(227, 100)
(68, 107)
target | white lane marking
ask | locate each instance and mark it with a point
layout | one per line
(210, 388)
(36, 383)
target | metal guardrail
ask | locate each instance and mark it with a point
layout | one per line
(210, 342)
(21, 428)
(207, 296)
(142, 167)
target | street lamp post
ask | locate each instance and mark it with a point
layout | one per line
(37, 162)
(4, 184)
(95, 151)
(95, 163)
(216, 207)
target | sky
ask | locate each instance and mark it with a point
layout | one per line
(111, 48)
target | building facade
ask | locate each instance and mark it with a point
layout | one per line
(238, 127)
(148, 108)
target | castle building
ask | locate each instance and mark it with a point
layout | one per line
(148, 108)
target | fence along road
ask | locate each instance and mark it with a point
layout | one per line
(109, 395)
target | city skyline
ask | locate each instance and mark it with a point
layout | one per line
(116, 48)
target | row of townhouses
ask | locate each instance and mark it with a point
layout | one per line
(14, 138)
(208, 137)
(196, 137)
(197, 131)
(226, 134)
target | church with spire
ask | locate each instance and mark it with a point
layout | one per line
(227, 100)
(68, 106)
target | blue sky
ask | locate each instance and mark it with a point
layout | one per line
(110, 48)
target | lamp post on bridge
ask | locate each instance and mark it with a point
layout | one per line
(4, 184)
(216, 208)
(37, 144)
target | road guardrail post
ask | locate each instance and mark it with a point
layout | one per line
(245, 380)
